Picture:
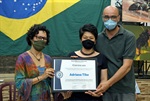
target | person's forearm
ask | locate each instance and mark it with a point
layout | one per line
(119, 75)
(37, 79)
(103, 75)
(124, 69)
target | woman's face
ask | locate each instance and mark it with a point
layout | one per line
(88, 35)
(40, 36)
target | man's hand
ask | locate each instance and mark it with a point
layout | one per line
(102, 87)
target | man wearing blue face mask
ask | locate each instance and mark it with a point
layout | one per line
(118, 45)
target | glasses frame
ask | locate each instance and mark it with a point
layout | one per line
(41, 38)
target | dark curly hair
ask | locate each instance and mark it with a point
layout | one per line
(34, 30)
(88, 28)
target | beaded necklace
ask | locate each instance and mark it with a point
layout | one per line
(35, 56)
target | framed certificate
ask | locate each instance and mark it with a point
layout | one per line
(74, 74)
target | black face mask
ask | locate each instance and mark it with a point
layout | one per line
(88, 44)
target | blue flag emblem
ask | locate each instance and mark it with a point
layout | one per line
(19, 9)
(17, 16)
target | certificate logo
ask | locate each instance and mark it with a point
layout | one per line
(59, 74)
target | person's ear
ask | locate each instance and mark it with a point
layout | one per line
(118, 19)
(95, 41)
(31, 41)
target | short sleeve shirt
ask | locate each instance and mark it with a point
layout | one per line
(121, 46)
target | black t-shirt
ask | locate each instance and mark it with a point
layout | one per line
(101, 64)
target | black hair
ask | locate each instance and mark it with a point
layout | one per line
(34, 30)
(88, 28)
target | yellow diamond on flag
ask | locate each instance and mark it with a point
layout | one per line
(137, 58)
(15, 28)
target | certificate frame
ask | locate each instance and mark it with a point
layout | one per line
(77, 75)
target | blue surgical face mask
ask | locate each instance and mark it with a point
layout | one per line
(110, 24)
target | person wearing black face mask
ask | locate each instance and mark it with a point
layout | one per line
(88, 44)
(88, 35)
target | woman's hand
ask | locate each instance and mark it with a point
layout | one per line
(67, 94)
(49, 72)
(94, 94)
(74, 57)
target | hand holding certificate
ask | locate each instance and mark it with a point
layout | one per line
(74, 74)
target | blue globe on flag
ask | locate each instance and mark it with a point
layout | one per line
(19, 9)
(17, 16)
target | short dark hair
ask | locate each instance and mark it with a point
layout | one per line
(88, 28)
(34, 30)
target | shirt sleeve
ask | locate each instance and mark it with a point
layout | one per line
(102, 61)
(72, 54)
(130, 47)
(23, 84)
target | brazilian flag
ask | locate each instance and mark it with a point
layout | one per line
(62, 17)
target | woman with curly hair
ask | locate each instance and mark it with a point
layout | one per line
(33, 68)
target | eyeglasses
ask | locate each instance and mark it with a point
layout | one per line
(41, 38)
(106, 17)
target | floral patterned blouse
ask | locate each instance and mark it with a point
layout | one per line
(25, 71)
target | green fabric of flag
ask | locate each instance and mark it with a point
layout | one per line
(64, 29)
